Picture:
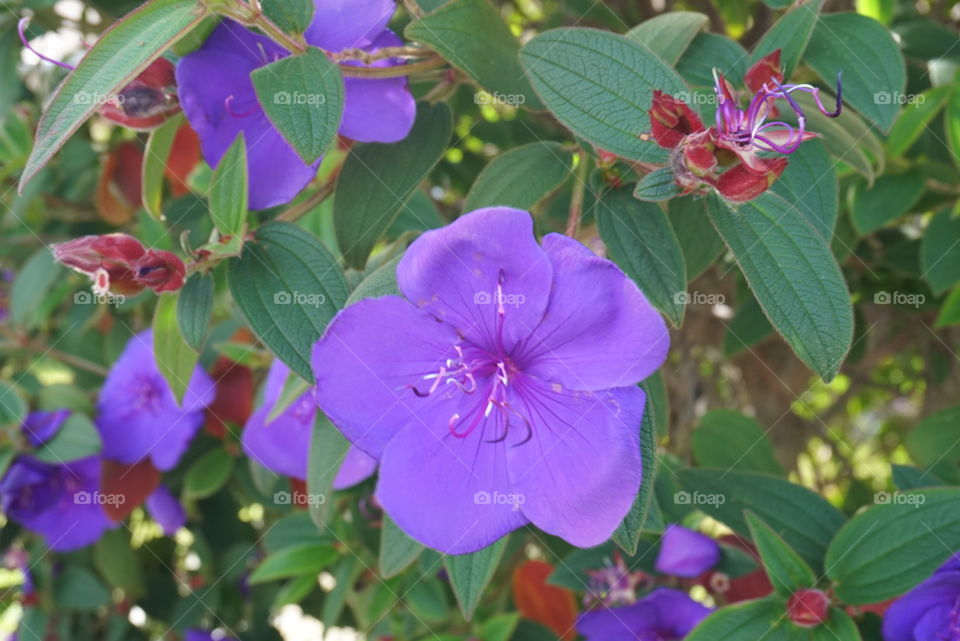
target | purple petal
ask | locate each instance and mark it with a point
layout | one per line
(934, 625)
(348, 24)
(580, 471)
(367, 361)
(598, 331)
(138, 414)
(904, 614)
(356, 467)
(40, 427)
(283, 444)
(663, 615)
(378, 110)
(679, 614)
(459, 274)
(166, 510)
(686, 553)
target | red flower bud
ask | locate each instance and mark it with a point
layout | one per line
(808, 608)
(671, 120)
(766, 70)
(148, 100)
(739, 184)
(699, 154)
(119, 263)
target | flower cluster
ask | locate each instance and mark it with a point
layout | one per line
(120, 264)
(733, 156)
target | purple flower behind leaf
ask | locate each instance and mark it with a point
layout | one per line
(219, 100)
(930, 611)
(40, 427)
(166, 510)
(663, 615)
(502, 390)
(138, 414)
(686, 553)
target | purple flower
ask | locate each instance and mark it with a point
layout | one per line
(502, 391)
(219, 100)
(55, 500)
(200, 635)
(138, 414)
(930, 611)
(166, 510)
(283, 444)
(686, 553)
(40, 427)
(663, 615)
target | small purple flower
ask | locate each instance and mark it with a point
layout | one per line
(502, 390)
(194, 634)
(138, 414)
(166, 510)
(686, 553)
(663, 615)
(40, 427)
(219, 100)
(930, 611)
(283, 444)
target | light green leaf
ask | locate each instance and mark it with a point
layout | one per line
(520, 177)
(784, 567)
(914, 118)
(709, 50)
(790, 34)
(208, 474)
(936, 438)
(155, 158)
(470, 573)
(31, 285)
(292, 16)
(175, 358)
(194, 308)
(228, 190)
(77, 438)
(669, 34)
(116, 561)
(328, 447)
(397, 550)
(305, 559)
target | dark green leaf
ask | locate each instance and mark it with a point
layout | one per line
(810, 184)
(729, 440)
(118, 563)
(381, 282)
(940, 252)
(890, 197)
(784, 567)
(77, 438)
(175, 358)
(936, 438)
(397, 550)
(31, 285)
(292, 16)
(790, 34)
(309, 558)
(327, 449)
(470, 573)
(709, 50)
(627, 535)
(748, 620)
(698, 239)
(194, 309)
(656, 186)
(208, 474)
(77, 588)
(520, 177)
(669, 34)
(228, 190)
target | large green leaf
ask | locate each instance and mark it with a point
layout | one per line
(805, 520)
(698, 239)
(793, 275)
(600, 85)
(474, 38)
(640, 239)
(786, 570)
(303, 98)
(520, 177)
(377, 179)
(175, 358)
(470, 573)
(874, 73)
(120, 54)
(940, 252)
(791, 34)
(888, 549)
(669, 34)
(729, 440)
(890, 197)
(810, 184)
(288, 286)
(936, 438)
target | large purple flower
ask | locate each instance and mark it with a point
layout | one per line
(138, 414)
(502, 391)
(686, 553)
(283, 444)
(219, 100)
(663, 615)
(930, 611)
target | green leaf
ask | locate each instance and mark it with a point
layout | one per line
(949, 310)
(119, 55)
(155, 158)
(473, 37)
(627, 534)
(77, 438)
(600, 85)
(939, 251)
(809, 183)
(397, 550)
(208, 474)
(499, 627)
(294, 561)
(288, 286)
(640, 240)
(292, 16)
(303, 98)
(916, 116)
(746, 620)
(784, 567)
(793, 274)
(748, 327)
(841, 136)
(381, 282)
(520, 177)
(790, 34)
(377, 179)
(906, 477)
(228, 190)
(327, 449)
(31, 285)
(345, 575)
(805, 520)
(77, 588)
(470, 573)
(729, 440)
(936, 438)
(13, 409)
(709, 50)
(175, 358)
(890, 197)
(699, 242)
(116, 561)
(951, 126)
(839, 627)
(874, 73)
(656, 186)
(669, 34)
(889, 548)
(194, 309)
